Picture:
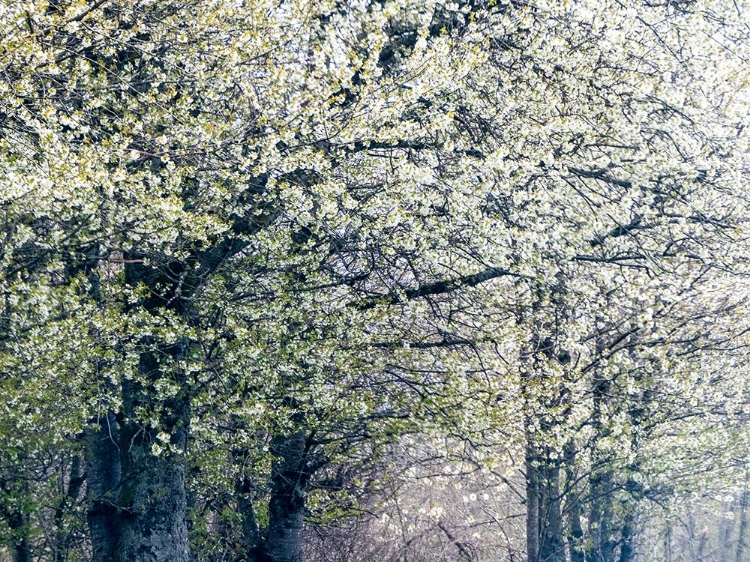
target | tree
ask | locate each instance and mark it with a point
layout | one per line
(260, 241)
(185, 191)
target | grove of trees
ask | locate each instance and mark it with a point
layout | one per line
(372, 280)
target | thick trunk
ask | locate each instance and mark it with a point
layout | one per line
(286, 508)
(13, 494)
(15, 518)
(153, 523)
(153, 499)
(102, 458)
(20, 549)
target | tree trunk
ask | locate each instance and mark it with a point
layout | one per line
(15, 518)
(532, 502)
(252, 541)
(574, 535)
(668, 543)
(603, 545)
(153, 499)
(283, 541)
(551, 542)
(62, 536)
(601, 513)
(102, 458)
(726, 529)
(740, 552)
(153, 524)
(701, 554)
(627, 547)
(20, 549)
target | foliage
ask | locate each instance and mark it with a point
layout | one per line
(237, 228)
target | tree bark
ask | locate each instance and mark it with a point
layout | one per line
(283, 541)
(668, 543)
(62, 537)
(152, 501)
(20, 549)
(551, 541)
(740, 552)
(726, 529)
(252, 540)
(603, 547)
(102, 458)
(532, 502)
(627, 547)
(153, 498)
(574, 534)
(601, 514)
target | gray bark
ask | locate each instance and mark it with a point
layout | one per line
(153, 525)
(603, 547)
(532, 504)
(20, 549)
(252, 540)
(627, 548)
(726, 530)
(668, 543)
(153, 498)
(283, 541)
(551, 540)
(740, 552)
(152, 501)
(70, 496)
(102, 458)
(601, 514)
(16, 519)
(573, 507)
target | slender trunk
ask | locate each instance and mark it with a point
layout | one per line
(740, 552)
(574, 534)
(532, 502)
(702, 542)
(601, 514)
(627, 547)
(551, 542)
(102, 458)
(668, 543)
(62, 537)
(252, 541)
(726, 530)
